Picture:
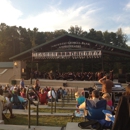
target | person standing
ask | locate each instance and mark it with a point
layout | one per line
(107, 84)
(122, 116)
(37, 85)
(22, 83)
(51, 95)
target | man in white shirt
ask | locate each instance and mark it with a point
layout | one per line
(51, 94)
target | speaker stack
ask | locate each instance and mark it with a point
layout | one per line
(122, 78)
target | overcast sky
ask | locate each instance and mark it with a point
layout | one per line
(51, 15)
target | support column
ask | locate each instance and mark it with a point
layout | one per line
(102, 63)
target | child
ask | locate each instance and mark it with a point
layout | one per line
(107, 97)
(79, 99)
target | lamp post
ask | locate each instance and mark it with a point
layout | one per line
(31, 76)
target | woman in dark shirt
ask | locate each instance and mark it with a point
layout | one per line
(122, 117)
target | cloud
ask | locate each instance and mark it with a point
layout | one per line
(51, 19)
(122, 18)
(126, 30)
(8, 14)
(55, 18)
(127, 7)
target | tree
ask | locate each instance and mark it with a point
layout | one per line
(75, 30)
(106, 36)
(122, 38)
(40, 38)
(113, 39)
(32, 36)
(99, 36)
(60, 32)
(24, 39)
(92, 34)
(48, 36)
(84, 34)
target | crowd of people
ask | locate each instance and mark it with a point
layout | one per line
(15, 97)
(88, 76)
(121, 111)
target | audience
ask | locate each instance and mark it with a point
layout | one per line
(107, 84)
(23, 93)
(51, 95)
(22, 83)
(79, 98)
(18, 102)
(122, 116)
(6, 103)
(93, 100)
(37, 85)
(107, 97)
(43, 97)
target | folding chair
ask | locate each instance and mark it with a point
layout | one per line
(94, 111)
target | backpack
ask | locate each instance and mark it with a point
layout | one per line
(86, 125)
(16, 102)
(96, 124)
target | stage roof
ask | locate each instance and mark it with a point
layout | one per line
(69, 42)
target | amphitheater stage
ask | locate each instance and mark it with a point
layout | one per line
(66, 83)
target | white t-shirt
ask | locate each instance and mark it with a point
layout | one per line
(53, 94)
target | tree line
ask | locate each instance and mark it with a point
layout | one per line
(14, 40)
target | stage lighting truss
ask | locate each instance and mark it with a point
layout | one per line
(67, 55)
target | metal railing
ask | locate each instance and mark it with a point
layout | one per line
(53, 100)
(32, 102)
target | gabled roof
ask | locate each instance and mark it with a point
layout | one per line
(69, 37)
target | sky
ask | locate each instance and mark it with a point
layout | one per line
(51, 15)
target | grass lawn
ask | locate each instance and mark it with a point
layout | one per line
(46, 120)
(46, 110)
(65, 105)
(43, 120)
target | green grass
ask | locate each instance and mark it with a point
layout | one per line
(43, 120)
(65, 105)
(46, 110)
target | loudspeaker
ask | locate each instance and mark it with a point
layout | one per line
(122, 78)
(64, 84)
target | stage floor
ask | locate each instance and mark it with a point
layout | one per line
(66, 83)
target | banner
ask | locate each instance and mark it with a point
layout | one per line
(66, 55)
